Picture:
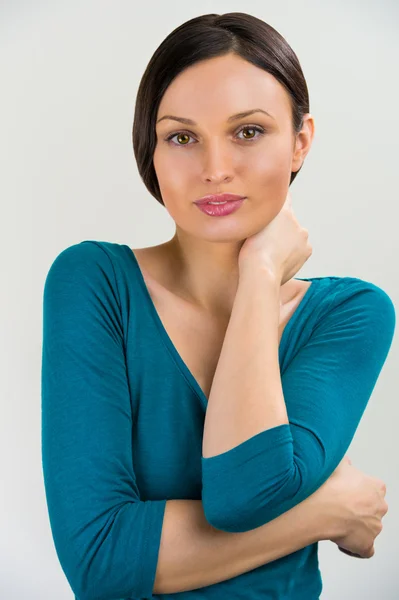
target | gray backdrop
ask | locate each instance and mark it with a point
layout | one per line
(69, 75)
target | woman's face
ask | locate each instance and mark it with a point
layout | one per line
(252, 156)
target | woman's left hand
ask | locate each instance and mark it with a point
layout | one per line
(282, 246)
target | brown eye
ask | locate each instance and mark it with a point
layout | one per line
(248, 129)
(184, 136)
(253, 128)
(178, 135)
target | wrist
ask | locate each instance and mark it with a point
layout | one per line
(330, 515)
(260, 271)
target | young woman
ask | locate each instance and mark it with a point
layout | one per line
(198, 399)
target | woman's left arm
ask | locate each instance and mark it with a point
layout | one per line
(272, 440)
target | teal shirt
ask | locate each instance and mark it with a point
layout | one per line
(123, 418)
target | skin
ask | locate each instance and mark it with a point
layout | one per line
(216, 156)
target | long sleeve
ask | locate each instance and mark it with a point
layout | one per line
(326, 388)
(106, 538)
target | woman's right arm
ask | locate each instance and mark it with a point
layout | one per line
(193, 554)
(347, 509)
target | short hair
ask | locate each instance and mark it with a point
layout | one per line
(200, 38)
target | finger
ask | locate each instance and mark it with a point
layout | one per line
(348, 552)
(370, 552)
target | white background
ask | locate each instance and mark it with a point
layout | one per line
(69, 73)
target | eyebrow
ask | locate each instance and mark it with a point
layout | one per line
(235, 117)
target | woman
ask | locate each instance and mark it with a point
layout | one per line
(186, 447)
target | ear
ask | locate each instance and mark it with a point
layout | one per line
(303, 142)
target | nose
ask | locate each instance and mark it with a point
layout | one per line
(218, 167)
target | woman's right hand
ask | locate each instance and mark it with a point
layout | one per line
(357, 504)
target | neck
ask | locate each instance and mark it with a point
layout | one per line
(206, 271)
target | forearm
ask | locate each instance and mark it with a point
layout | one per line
(246, 396)
(193, 554)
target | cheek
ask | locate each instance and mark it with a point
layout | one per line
(270, 166)
(168, 168)
(172, 182)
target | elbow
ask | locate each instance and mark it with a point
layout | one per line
(74, 568)
(254, 503)
(106, 555)
(88, 575)
(94, 566)
(81, 574)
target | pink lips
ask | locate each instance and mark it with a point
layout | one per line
(220, 210)
(219, 198)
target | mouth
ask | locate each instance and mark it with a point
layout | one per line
(219, 198)
(220, 209)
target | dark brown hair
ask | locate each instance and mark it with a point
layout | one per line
(203, 37)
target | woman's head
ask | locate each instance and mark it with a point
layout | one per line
(207, 70)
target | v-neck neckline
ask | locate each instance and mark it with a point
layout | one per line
(191, 380)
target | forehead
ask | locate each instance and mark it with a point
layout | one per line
(222, 86)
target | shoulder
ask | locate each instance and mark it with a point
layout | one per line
(86, 256)
(344, 317)
(87, 267)
(356, 309)
(345, 292)
(78, 254)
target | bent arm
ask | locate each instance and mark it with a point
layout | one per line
(193, 554)
(271, 439)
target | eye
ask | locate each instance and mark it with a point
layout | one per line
(255, 128)
(180, 134)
